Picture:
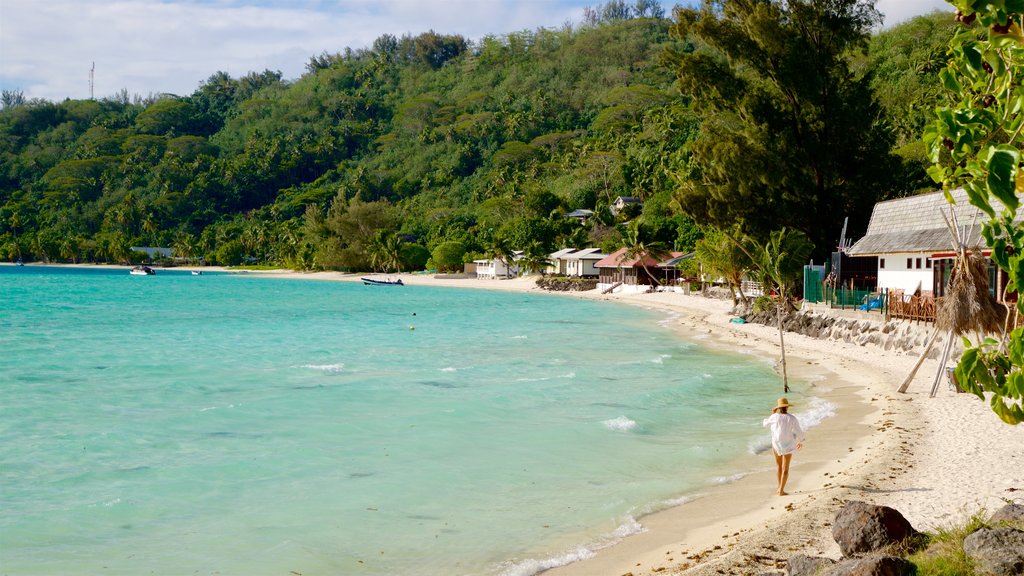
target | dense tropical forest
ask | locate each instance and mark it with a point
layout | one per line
(427, 151)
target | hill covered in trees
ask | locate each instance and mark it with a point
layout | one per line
(430, 149)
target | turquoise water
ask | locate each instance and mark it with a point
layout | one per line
(232, 424)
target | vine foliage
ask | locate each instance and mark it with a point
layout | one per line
(976, 143)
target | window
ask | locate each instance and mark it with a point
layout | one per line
(910, 263)
(881, 263)
(918, 264)
(928, 263)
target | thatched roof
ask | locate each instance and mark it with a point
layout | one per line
(915, 224)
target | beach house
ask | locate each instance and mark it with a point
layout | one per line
(631, 275)
(582, 263)
(557, 263)
(914, 247)
(494, 268)
(912, 243)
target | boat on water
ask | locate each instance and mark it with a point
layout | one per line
(197, 272)
(372, 282)
(142, 271)
(18, 262)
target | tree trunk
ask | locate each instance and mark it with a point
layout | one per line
(782, 346)
(649, 275)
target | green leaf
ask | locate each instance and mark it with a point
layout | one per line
(974, 57)
(949, 81)
(937, 173)
(1002, 175)
(978, 197)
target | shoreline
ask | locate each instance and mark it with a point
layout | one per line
(916, 454)
(936, 460)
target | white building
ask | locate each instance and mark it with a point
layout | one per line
(912, 243)
(582, 263)
(557, 262)
(495, 268)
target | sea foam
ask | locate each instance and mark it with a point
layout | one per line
(621, 424)
(629, 527)
(329, 368)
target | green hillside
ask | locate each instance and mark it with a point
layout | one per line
(430, 147)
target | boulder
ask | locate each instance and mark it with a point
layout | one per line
(860, 528)
(803, 565)
(874, 566)
(1009, 513)
(996, 551)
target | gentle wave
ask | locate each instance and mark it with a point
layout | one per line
(727, 479)
(661, 358)
(621, 424)
(329, 368)
(449, 369)
(535, 566)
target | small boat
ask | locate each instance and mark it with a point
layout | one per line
(197, 272)
(372, 282)
(18, 262)
(142, 271)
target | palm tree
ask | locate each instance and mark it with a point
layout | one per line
(534, 258)
(720, 255)
(184, 246)
(384, 251)
(500, 250)
(640, 246)
(779, 265)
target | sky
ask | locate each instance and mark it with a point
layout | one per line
(47, 47)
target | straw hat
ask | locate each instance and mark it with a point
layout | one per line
(782, 403)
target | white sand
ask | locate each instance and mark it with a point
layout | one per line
(936, 460)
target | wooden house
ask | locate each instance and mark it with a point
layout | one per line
(616, 272)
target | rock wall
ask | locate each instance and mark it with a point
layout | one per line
(899, 335)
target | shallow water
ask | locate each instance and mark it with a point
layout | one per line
(232, 424)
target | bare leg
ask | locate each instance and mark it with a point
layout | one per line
(784, 473)
(778, 469)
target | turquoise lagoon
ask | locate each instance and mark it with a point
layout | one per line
(233, 424)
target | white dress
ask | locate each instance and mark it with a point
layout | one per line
(786, 432)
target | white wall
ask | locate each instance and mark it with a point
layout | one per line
(581, 267)
(893, 272)
(495, 269)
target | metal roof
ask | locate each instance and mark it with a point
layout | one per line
(560, 253)
(586, 254)
(915, 224)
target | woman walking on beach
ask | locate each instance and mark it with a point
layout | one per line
(787, 438)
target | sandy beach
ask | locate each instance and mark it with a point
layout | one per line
(936, 460)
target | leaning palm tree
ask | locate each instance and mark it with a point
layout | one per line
(778, 265)
(641, 246)
(721, 256)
